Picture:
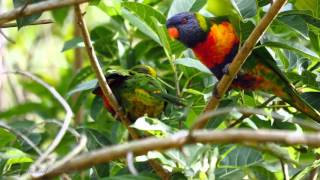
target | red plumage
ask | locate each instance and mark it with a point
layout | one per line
(218, 44)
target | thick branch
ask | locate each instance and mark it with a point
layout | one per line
(107, 90)
(36, 8)
(240, 58)
(179, 139)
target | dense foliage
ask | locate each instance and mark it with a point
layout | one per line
(129, 33)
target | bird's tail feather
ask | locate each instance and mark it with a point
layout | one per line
(300, 104)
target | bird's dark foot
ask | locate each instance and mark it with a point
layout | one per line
(225, 69)
(215, 92)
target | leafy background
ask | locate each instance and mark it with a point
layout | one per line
(127, 33)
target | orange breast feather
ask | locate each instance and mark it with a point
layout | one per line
(220, 41)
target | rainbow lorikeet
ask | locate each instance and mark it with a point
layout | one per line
(138, 92)
(215, 43)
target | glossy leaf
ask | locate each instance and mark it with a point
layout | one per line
(293, 47)
(6, 137)
(193, 63)
(88, 85)
(140, 24)
(179, 6)
(245, 8)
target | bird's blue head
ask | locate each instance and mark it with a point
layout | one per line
(189, 28)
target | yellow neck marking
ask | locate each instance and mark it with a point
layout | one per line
(202, 21)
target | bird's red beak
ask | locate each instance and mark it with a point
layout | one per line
(173, 32)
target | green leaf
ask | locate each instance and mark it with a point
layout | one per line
(262, 3)
(88, 85)
(221, 8)
(111, 7)
(60, 14)
(245, 8)
(145, 12)
(103, 41)
(306, 170)
(241, 157)
(293, 47)
(21, 109)
(27, 19)
(140, 24)
(6, 137)
(310, 5)
(245, 30)
(198, 5)
(304, 15)
(179, 6)
(296, 22)
(97, 108)
(235, 160)
(259, 172)
(152, 125)
(310, 79)
(76, 42)
(143, 18)
(312, 98)
(193, 63)
(81, 75)
(14, 156)
(315, 40)
(228, 173)
(164, 38)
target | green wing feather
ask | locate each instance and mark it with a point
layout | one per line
(291, 95)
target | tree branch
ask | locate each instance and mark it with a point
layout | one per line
(36, 8)
(107, 90)
(307, 124)
(140, 147)
(25, 138)
(66, 122)
(99, 73)
(39, 22)
(238, 61)
(244, 116)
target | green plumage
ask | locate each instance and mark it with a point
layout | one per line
(137, 95)
(138, 92)
(281, 85)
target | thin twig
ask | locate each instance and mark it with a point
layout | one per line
(7, 37)
(107, 90)
(25, 138)
(78, 149)
(306, 170)
(180, 139)
(66, 122)
(301, 122)
(37, 8)
(70, 129)
(285, 170)
(239, 59)
(315, 171)
(130, 162)
(39, 22)
(244, 116)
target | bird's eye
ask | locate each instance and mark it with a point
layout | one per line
(184, 21)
